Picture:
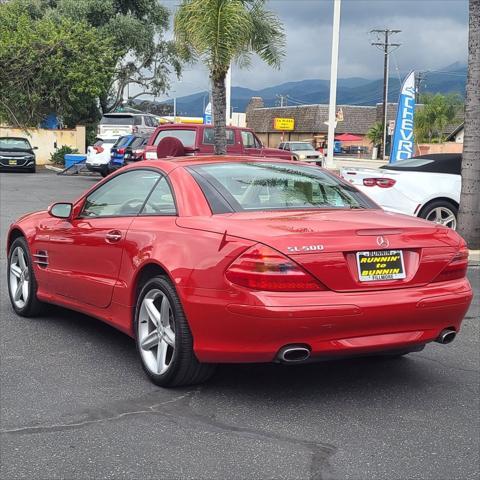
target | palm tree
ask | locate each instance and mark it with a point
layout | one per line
(220, 32)
(469, 216)
(375, 134)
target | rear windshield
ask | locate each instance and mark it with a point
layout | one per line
(117, 120)
(121, 142)
(187, 137)
(272, 186)
(301, 146)
(15, 143)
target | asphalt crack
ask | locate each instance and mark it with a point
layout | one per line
(179, 408)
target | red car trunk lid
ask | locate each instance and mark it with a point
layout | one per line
(325, 243)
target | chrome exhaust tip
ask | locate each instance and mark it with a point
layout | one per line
(446, 336)
(294, 354)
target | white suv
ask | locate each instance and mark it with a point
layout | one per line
(117, 124)
(303, 151)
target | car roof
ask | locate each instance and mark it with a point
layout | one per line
(187, 161)
(440, 163)
(15, 138)
(196, 126)
(126, 114)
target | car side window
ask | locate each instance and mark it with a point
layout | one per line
(160, 201)
(286, 147)
(209, 136)
(248, 139)
(137, 120)
(123, 195)
(281, 146)
(258, 143)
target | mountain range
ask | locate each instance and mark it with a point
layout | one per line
(350, 91)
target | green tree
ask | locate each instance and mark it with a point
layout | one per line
(469, 216)
(50, 66)
(136, 27)
(437, 111)
(220, 32)
(375, 134)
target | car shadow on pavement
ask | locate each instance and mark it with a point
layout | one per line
(372, 374)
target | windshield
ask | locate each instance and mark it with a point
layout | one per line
(270, 186)
(301, 146)
(122, 141)
(117, 120)
(412, 162)
(8, 143)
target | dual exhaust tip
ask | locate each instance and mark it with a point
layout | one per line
(293, 354)
(446, 336)
(301, 353)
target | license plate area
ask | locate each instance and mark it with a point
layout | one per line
(380, 265)
(12, 162)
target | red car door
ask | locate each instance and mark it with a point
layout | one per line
(85, 253)
(251, 144)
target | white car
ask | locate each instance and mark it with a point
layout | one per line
(427, 186)
(98, 155)
(118, 124)
(303, 151)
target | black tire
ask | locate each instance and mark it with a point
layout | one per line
(184, 368)
(32, 306)
(429, 209)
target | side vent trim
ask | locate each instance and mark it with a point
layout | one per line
(41, 258)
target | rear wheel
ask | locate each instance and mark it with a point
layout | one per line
(163, 337)
(22, 285)
(442, 212)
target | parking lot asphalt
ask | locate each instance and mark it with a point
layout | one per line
(75, 403)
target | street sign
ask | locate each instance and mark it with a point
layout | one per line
(284, 124)
(391, 127)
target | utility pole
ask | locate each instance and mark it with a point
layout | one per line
(419, 77)
(282, 98)
(387, 48)
(332, 106)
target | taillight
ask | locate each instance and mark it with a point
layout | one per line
(263, 268)
(98, 149)
(456, 269)
(379, 182)
(121, 151)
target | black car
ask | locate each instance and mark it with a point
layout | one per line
(16, 153)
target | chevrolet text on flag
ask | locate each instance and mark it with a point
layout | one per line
(403, 145)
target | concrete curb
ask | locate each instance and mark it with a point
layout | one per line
(55, 169)
(474, 258)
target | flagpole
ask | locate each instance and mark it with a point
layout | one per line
(333, 83)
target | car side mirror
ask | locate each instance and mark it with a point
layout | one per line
(61, 210)
(34, 148)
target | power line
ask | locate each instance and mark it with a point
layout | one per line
(386, 47)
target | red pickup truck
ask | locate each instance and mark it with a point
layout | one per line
(199, 139)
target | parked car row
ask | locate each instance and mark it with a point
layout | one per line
(108, 155)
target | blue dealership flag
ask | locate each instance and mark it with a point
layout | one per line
(403, 145)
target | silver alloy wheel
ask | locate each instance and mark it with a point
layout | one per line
(443, 216)
(19, 278)
(156, 331)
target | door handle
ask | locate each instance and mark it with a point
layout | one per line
(113, 236)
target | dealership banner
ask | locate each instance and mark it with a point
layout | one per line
(403, 145)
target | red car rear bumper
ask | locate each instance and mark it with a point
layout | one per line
(253, 326)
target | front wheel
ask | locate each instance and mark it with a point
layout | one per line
(442, 212)
(163, 337)
(22, 285)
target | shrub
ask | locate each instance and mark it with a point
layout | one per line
(57, 157)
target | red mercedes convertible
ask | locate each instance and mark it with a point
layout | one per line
(235, 259)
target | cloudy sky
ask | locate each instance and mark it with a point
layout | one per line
(434, 35)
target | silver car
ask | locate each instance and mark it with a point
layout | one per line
(303, 151)
(114, 125)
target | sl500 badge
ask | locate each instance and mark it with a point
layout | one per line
(305, 248)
